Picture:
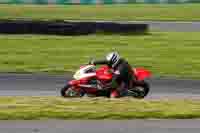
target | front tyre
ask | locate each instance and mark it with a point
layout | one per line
(68, 91)
(140, 90)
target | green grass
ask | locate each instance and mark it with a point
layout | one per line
(165, 54)
(175, 12)
(29, 108)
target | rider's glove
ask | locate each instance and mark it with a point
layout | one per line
(91, 62)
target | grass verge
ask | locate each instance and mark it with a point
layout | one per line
(29, 108)
(165, 54)
(176, 12)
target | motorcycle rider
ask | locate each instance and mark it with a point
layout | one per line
(122, 74)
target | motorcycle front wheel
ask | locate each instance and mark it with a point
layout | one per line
(140, 90)
(68, 91)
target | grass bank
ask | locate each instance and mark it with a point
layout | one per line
(175, 12)
(165, 54)
(29, 108)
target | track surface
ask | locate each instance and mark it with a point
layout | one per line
(172, 26)
(49, 85)
(133, 126)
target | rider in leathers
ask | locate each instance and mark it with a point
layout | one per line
(122, 74)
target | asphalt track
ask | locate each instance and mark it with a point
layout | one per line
(132, 126)
(174, 26)
(167, 26)
(49, 85)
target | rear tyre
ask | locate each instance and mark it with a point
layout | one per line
(68, 91)
(140, 90)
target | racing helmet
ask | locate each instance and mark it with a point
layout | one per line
(113, 58)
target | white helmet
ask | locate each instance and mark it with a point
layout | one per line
(113, 58)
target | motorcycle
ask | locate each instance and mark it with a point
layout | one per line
(90, 81)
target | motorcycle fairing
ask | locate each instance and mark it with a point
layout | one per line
(141, 73)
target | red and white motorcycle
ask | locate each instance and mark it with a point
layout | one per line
(89, 80)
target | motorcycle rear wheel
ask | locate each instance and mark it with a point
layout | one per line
(140, 90)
